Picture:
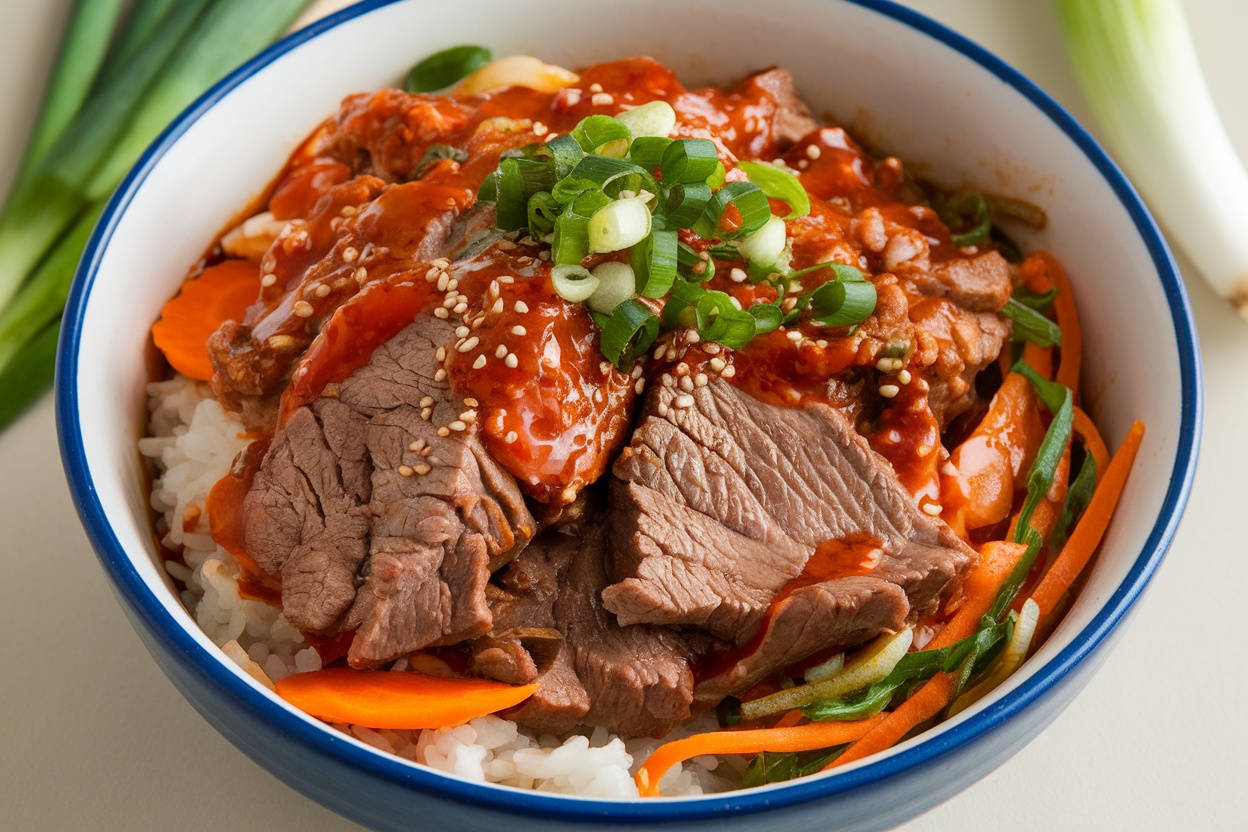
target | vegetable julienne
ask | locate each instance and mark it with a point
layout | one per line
(643, 239)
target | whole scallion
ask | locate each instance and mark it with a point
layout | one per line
(119, 79)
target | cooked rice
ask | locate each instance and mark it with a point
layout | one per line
(192, 443)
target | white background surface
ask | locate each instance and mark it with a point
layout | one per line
(92, 736)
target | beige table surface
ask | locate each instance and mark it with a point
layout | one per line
(93, 737)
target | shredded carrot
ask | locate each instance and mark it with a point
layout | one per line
(1040, 359)
(926, 702)
(1092, 442)
(789, 719)
(996, 561)
(1087, 534)
(377, 699)
(220, 293)
(1040, 268)
(809, 737)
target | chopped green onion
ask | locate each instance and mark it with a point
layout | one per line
(628, 333)
(842, 302)
(570, 243)
(767, 317)
(688, 161)
(616, 284)
(647, 151)
(692, 265)
(620, 225)
(766, 245)
(780, 185)
(655, 118)
(750, 203)
(1030, 325)
(441, 69)
(1058, 399)
(1078, 495)
(1041, 302)
(435, 154)
(655, 263)
(512, 203)
(685, 203)
(717, 318)
(611, 176)
(543, 211)
(573, 283)
(602, 135)
(966, 215)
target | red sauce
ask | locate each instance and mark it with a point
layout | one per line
(227, 524)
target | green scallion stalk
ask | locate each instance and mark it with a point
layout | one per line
(29, 374)
(1030, 325)
(441, 69)
(1138, 68)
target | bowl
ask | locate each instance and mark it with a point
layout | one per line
(898, 81)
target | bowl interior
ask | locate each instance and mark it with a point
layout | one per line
(902, 85)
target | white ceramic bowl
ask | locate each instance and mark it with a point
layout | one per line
(903, 84)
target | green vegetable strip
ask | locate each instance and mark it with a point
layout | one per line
(1077, 498)
(1030, 325)
(91, 27)
(144, 19)
(781, 185)
(444, 68)
(24, 379)
(230, 33)
(750, 202)
(628, 332)
(1058, 399)
(654, 263)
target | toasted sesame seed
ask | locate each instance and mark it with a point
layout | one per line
(458, 425)
(406, 470)
(268, 280)
(712, 349)
(461, 307)
(471, 402)
(350, 254)
(444, 282)
(718, 364)
(361, 274)
(426, 413)
(501, 352)
(511, 361)
(511, 437)
(793, 335)
(540, 129)
(468, 415)
(602, 99)
(468, 343)
(416, 446)
(461, 331)
(692, 337)
(729, 371)
(422, 468)
(440, 262)
(480, 362)
(686, 384)
(933, 509)
(595, 87)
(636, 373)
(440, 355)
(444, 432)
(889, 390)
(639, 386)
(904, 376)
(304, 309)
(737, 275)
(681, 369)
(660, 352)
(426, 451)
(432, 274)
(821, 344)
(813, 151)
(685, 401)
(519, 330)
(280, 342)
(506, 278)
(428, 401)
(700, 380)
(341, 282)
(440, 374)
(497, 308)
(348, 211)
(442, 312)
(521, 307)
(321, 290)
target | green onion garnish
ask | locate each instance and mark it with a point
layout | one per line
(441, 69)
(966, 215)
(1030, 325)
(688, 161)
(628, 332)
(655, 263)
(780, 185)
(602, 135)
(751, 206)
(1058, 399)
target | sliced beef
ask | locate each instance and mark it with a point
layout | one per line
(375, 522)
(780, 482)
(954, 344)
(779, 104)
(840, 612)
(633, 680)
(978, 284)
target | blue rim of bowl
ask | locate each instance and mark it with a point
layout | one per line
(144, 602)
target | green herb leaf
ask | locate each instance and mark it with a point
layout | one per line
(1058, 399)
(441, 69)
(1030, 325)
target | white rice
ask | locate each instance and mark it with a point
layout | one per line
(192, 443)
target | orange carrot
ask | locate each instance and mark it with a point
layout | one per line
(220, 293)
(1040, 359)
(996, 561)
(1049, 509)
(789, 719)
(397, 699)
(1091, 527)
(926, 702)
(1092, 442)
(1042, 267)
(809, 737)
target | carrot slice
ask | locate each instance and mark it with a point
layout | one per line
(809, 737)
(1092, 441)
(378, 699)
(1042, 267)
(220, 293)
(1087, 535)
(996, 561)
(926, 702)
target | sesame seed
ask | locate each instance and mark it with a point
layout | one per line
(662, 409)
(341, 282)
(602, 99)
(442, 312)
(406, 470)
(700, 380)
(268, 280)
(469, 344)
(737, 275)
(426, 451)
(889, 390)
(793, 335)
(321, 290)
(458, 425)
(521, 307)
(471, 402)
(636, 373)
(821, 344)
(604, 367)
(444, 282)
(280, 342)
(718, 364)
(660, 352)
(686, 384)
(729, 371)
(461, 307)
(506, 278)
(440, 374)
(506, 245)
(684, 401)
(692, 337)
(933, 509)
(427, 401)
(440, 262)
(444, 432)
(426, 413)
(349, 255)
(441, 353)
(904, 376)
(461, 332)
(416, 446)
(639, 386)
(813, 151)
(682, 369)
(452, 284)
(304, 309)
(361, 274)
(595, 87)
(494, 289)
(511, 361)
(497, 308)
(519, 330)
(511, 437)
(432, 274)
(468, 415)
(479, 363)
(540, 129)
(422, 469)
(501, 352)
(347, 210)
